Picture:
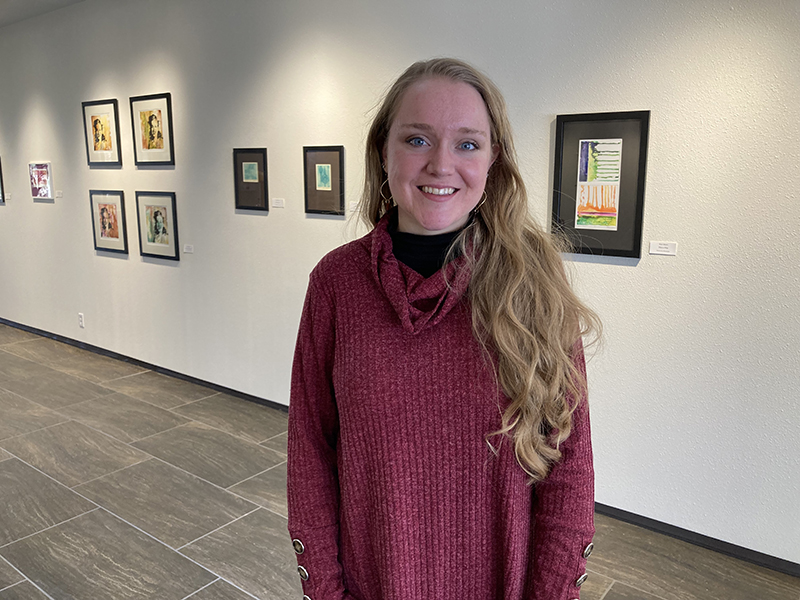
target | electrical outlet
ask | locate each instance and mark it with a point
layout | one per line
(81, 322)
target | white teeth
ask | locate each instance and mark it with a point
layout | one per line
(438, 191)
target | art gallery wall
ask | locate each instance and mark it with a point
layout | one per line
(695, 391)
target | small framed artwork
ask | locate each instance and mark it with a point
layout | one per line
(108, 220)
(598, 183)
(41, 177)
(101, 128)
(158, 224)
(2, 189)
(151, 118)
(250, 175)
(324, 179)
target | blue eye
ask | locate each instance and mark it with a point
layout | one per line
(468, 146)
(416, 141)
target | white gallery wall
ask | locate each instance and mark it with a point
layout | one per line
(696, 391)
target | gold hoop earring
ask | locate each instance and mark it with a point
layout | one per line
(388, 203)
(482, 201)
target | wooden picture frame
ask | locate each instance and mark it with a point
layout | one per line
(157, 218)
(151, 122)
(108, 220)
(250, 178)
(599, 180)
(323, 168)
(101, 133)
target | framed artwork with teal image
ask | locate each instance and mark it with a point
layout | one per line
(250, 178)
(598, 183)
(323, 167)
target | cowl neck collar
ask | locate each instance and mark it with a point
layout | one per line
(418, 301)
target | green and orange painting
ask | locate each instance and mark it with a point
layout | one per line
(599, 167)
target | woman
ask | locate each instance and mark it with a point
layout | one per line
(439, 373)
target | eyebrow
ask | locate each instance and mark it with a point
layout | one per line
(428, 128)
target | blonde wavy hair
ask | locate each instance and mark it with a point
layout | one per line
(524, 311)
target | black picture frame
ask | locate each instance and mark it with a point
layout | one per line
(153, 241)
(2, 187)
(110, 231)
(589, 227)
(97, 155)
(251, 186)
(151, 147)
(324, 187)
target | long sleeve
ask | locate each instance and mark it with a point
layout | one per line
(313, 486)
(564, 512)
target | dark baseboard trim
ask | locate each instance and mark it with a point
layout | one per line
(751, 556)
(139, 363)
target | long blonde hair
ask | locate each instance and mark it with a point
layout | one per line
(524, 311)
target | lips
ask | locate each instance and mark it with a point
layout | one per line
(436, 191)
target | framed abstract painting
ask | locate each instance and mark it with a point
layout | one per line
(41, 179)
(250, 178)
(324, 179)
(598, 182)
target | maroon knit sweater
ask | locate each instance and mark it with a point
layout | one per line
(394, 493)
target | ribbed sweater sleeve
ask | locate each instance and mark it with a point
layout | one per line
(563, 516)
(313, 489)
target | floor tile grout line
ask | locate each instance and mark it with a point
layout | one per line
(219, 487)
(87, 482)
(13, 437)
(197, 591)
(25, 537)
(147, 437)
(179, 548)
(257, 474)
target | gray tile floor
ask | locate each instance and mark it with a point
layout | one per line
(120, 483)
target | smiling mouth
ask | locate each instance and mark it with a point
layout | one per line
(437, 191)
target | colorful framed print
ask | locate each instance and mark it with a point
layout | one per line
(2, 189)
(324, 179)
(108, 220)
(41, 178)
(101, 129)
(158, 224)
(250, 178)
(151, 120)
(598, 182)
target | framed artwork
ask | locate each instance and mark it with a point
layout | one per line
(151, 120)
(250, 177)
(2, 189)
(158, 224)
(324, 179)
(101, 128)
(108, 220)
(598, 183)
(41, 177)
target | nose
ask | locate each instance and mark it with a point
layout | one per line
(441, 161)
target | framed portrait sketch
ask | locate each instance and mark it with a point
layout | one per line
(41, 178)
(101, 129)
(2, 189)
(250, 175)
(158, 224)
(323, 167)
(598, 182)
(108, 220)
(151, 119)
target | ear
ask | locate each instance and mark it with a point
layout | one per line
(495, 153)
(383, 155)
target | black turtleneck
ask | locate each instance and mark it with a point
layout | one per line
(423, 253)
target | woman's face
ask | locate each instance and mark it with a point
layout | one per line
(437, 155)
